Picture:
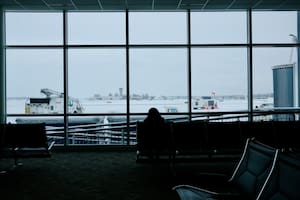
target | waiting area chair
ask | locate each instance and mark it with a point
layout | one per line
(284, 180)
(156, 143)
(247, 179)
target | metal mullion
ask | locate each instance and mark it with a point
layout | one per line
(96, 46)
(155, 45)
(250, 65)
(33, 46)
(189, 66)
(3, 102)
(218, 45)
(127, 81)
(65, 75)
(276, 44)
(298, 56)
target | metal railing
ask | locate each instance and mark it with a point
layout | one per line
(117, 133)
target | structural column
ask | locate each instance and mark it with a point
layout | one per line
(298, 55)
(2, 69)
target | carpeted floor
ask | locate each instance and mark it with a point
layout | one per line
(93, 176)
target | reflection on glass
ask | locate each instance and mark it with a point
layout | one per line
(34, 28)
(96, 28)
(30, 71)
(157, 28)
(274, 27)
(158, 78)
(219, 79)
(218, 27)
(97, 78)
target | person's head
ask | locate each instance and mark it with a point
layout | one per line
(153, 113)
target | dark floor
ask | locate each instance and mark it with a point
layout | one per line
(97, 175)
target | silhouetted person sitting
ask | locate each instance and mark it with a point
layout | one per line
(155, 132)
(154, 117)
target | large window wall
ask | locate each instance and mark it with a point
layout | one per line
(274, 36)
(73, 70)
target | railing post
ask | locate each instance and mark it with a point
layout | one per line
(122, 138)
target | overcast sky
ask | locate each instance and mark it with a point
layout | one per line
(155, 71)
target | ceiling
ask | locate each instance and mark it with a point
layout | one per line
(150, 4)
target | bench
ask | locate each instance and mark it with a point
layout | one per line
(198, 139)
(207, 138)
(24, 141)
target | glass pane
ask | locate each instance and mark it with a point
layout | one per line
(33, 74)
(33, 28)
(219, 79)
(97, 78)
(158, 78)
(98, 130)
(218, 27)
(274, 27)
(157, 27)
(274, 77)
(96, 28)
